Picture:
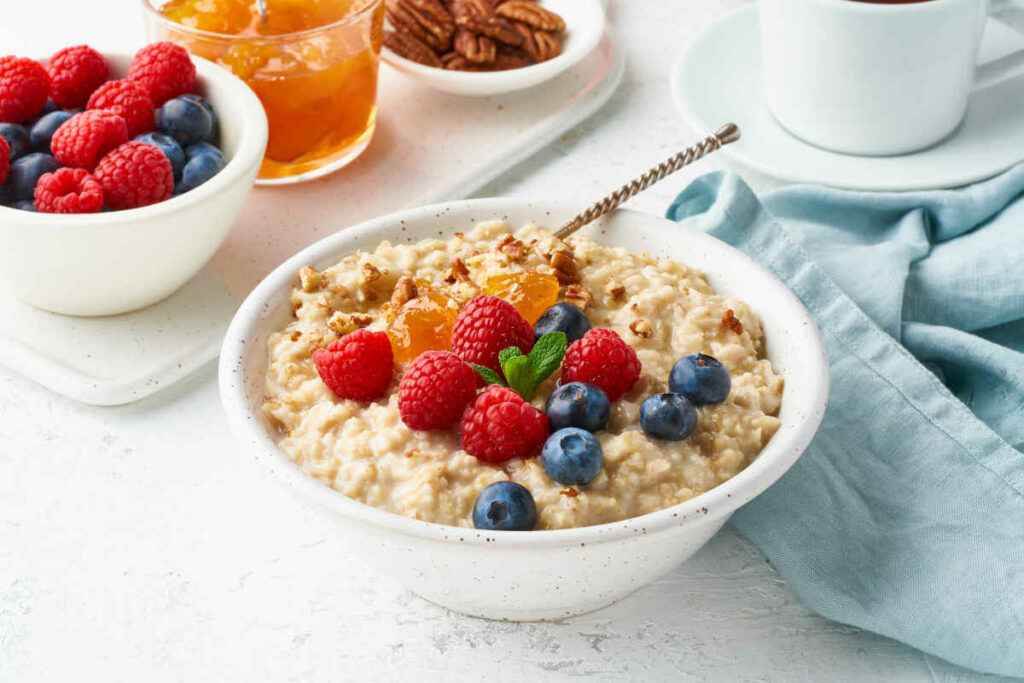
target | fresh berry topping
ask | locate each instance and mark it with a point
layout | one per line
(601, 358)
(578, 405)
(165, 70)
(127, 99)
(24, 87)
(169, 146)
(214, 137)
(572, 456)
(485, 326)
(18, 139)
(700, 378)
(505, 506)
(42, 130)
(435, 390)
(75, 72)
(24, 205)
(358, 366)
(26, 172)
(85, 138)
(185, 120)
(68, 190)
(204, 162)
(5, 160)
(135, 174)
(668, 416)
(563, 318)
(499, 425)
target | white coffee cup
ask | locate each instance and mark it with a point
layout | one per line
(875, 79)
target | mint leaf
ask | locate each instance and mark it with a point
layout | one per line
(490, 376)
(519, 374)
(505, 354)
(547, 355)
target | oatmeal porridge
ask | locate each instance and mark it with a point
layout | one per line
(661, 309)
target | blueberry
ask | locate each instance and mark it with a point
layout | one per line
(169, 146)
(563, 318)
(197, 171)
(17, 138)
(572, 456)
(25, 205)
(668, 416)
(185, 120)
(50, 106)
(25, 173)
(214, 136)
(700, 378)
(577, 404)
(201, 148)
(505, 506)
(42, 130)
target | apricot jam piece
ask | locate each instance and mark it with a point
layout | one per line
(422, 324)
(241, 17)
(531, 293)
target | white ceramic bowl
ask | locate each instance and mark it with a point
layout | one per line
(584, 21)
(538, 574)
(118, 261)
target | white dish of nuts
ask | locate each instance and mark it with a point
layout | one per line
(439, 43)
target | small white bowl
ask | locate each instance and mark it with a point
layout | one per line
(584, 21)
(119, 261)
(533, 575)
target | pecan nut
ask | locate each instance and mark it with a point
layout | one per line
(564, 264)
(495, 28)
(427, 20)
(531, 14)
(540, 45)
(511, 58)
(410, 47)
(478, 49)
(464, 11)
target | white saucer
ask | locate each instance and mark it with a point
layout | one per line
(719, 79)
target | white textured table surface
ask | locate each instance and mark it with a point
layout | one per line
(137, 543)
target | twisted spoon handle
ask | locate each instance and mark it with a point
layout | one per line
(723, 136)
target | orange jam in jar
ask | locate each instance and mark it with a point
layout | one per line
(422, 324)
(312, 63)
(531, 293)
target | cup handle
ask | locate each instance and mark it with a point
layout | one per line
(1010, 13)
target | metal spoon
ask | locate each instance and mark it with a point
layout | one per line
(730, 132)
(261, 5)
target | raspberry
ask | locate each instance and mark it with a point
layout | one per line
(5, 159)
(24, 87)
(83, 139)
(75, 72)
(164, 70)
(68, 190)
(500, 425)
(128, 100)
(357, 366)
(135, 174)
(435, 390)
(601, 358)
(485, 326)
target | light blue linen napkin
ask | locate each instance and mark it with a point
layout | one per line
(906, 514)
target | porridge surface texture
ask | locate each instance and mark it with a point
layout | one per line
(660, 307)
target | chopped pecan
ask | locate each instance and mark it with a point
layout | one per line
(476, 48)
(570, 492)
(616, 291)
(405, 290)
(310, 279)
(532, 15)
(342, 323)
(410, 47)
(458, 272)
(296, 336)
(371, 273)
(564, 264)
(539, 45)
(578, 296)
(512, 248)
(426, 20)
(642, 328)
(730, 321)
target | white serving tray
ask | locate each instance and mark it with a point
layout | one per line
(429, 147)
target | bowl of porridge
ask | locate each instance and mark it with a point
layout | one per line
(704, 380)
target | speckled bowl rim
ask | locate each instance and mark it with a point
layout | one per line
(250, 427)
(252, 141)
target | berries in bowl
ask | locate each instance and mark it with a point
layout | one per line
(122, 174)
(549, 475)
